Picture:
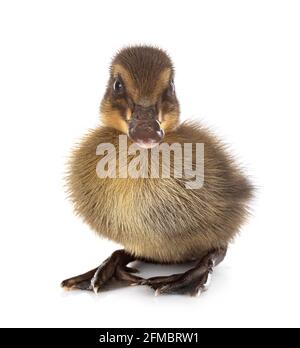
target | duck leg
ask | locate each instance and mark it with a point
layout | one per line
(193, 281)
(113, 267)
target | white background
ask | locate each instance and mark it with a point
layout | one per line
(237, 70)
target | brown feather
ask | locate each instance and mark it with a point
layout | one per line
(160, 219)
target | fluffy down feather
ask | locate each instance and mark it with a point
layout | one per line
(160, 219)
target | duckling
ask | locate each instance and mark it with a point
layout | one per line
(155, 219)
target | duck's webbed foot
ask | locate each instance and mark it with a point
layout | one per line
(193, 281)
(115, 267)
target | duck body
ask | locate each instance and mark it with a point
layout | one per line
(160, 219)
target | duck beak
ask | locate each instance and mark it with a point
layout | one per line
(144, 128)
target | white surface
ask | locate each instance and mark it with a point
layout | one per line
(238, 70)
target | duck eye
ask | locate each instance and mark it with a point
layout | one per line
(118, 86)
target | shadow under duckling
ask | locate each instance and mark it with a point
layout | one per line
(156, 219)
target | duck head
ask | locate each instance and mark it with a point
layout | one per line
(140, 98)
